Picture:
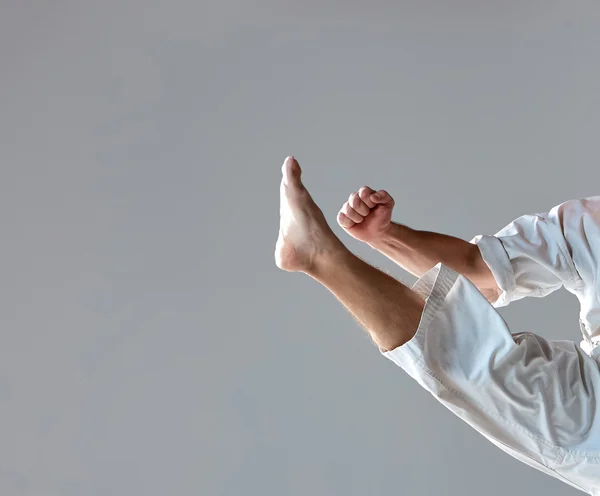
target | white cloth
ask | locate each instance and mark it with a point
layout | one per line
(537, 254)
(534, 398)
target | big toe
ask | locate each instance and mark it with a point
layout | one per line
(291, 172)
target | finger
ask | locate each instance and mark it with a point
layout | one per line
(352, 214)
(357, 204)
(382, 197)
(365, 195)
(344, 221)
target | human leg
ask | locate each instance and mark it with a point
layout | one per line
(387, 309)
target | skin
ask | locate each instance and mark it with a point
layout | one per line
(389, 311)
(367, 216)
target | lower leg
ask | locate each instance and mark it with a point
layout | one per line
(387, 309)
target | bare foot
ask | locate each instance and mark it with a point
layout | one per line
(304, 235)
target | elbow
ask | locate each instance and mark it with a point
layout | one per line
(481, 276)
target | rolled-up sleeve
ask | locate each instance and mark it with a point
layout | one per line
(531, 256)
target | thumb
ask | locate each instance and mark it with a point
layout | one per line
(382, 197)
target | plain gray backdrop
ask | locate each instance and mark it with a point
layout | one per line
(149, 344)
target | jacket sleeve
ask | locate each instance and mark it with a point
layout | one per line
(533, 255)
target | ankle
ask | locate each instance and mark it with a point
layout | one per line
(327, 257)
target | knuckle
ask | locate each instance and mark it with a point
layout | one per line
(364, 192)
(350, 213)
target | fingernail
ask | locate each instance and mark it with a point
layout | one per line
(376, 196)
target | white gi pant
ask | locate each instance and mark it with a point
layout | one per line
(534, 398)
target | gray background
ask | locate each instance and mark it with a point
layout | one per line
(149, 345)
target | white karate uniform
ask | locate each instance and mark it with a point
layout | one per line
(534, 398)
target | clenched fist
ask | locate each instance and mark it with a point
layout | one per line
(367, 214)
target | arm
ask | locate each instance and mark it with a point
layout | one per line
(367, 215)
(418, 251)
(532, 256)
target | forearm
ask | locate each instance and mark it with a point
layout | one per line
(419, 251)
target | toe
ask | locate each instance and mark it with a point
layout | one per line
(291, 171)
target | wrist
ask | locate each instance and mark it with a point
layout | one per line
(391, 235)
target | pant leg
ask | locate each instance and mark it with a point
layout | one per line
(532, 397)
